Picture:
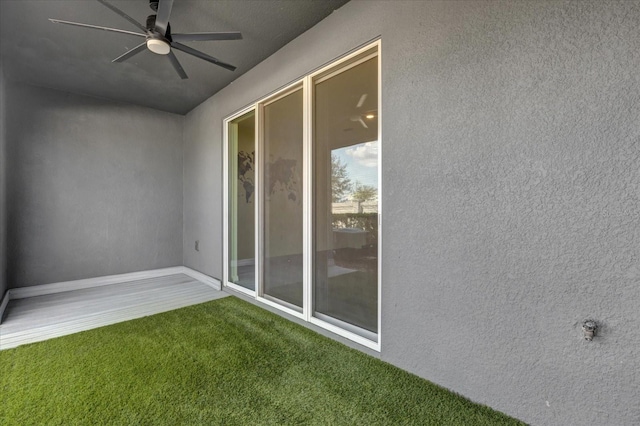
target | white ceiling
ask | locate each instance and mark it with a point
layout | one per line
(38, 52)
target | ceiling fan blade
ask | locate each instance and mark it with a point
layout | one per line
(198, 54)
(177, 66)
(362, 99)
(229, 35)
(129, 53)
(363, 123)
(162, 17)
(113, 30)
(124, 15)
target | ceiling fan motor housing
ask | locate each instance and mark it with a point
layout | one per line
(151, 27)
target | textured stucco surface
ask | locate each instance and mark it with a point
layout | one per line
(519, 124)
(3, 179)
(202, 191)
(95, 187)
(511, 188)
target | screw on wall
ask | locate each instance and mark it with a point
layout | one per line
(589, 328)
(197, 245)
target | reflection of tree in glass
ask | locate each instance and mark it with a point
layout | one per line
(340, 182)
(283, 177)
(245, 172)
(362, 193)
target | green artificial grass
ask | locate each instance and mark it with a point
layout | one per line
(223, 362)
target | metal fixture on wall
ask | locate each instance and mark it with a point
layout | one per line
(589, 328)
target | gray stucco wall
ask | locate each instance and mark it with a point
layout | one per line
(511, 191)
(3, 200)
(202, 190)
(520, 216)
(95, 187)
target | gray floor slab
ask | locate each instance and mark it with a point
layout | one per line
(39, 318)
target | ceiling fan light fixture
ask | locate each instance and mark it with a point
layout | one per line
(369, 116)
(158, 37)
(159, 47)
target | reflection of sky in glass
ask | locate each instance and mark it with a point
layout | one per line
(362, 162)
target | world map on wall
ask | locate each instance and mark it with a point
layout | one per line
(246, 173)
(282, 176)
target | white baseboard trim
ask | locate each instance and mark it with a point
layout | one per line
(210, 281)
(4, 303)
(40, 290)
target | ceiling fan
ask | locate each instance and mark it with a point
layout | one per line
(158, 36)
(358, 117)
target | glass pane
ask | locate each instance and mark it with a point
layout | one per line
(345, 168)
(241, 134)
(283, 134)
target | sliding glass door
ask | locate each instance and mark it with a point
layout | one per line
(242, 201)
(345, 207)
(282, 146)
(303, 191)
